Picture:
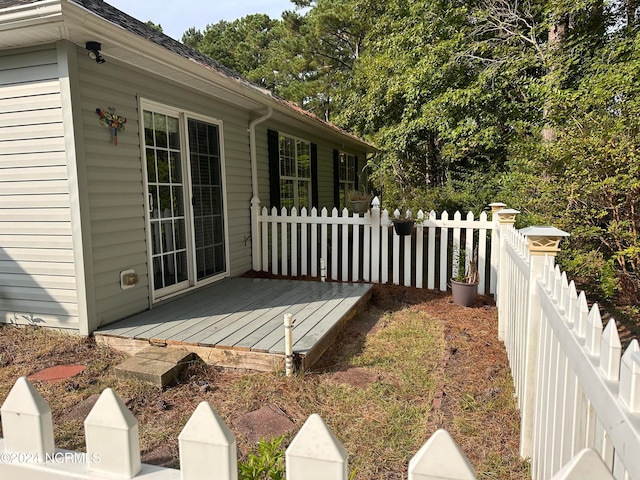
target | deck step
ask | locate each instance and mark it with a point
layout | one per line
(158, 365)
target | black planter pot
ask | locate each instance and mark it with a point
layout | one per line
(403, 227)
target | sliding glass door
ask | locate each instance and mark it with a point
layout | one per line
(185, 200)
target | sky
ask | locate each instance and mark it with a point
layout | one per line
(176, 17)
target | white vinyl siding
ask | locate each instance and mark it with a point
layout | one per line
(37, 271)
(115, 179)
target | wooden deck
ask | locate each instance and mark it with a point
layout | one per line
(239, 322)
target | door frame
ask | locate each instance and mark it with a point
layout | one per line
(183, 116)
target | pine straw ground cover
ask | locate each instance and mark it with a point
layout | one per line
(412, 363)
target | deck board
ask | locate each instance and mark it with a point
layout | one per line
(201, 304)
(272, 318)
(274, 342)
(227, 334)
(163, 313)
(216, 311)
(313, 335)
(251, 297)
(245, 316)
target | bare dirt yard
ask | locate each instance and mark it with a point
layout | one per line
(412, 363)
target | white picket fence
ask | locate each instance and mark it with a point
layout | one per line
(578, 395)
(347, 247)
(207, 448)
(573, 387)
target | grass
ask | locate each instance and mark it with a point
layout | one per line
(382, 422)
(387, 419)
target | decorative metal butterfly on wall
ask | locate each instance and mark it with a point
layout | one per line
(112, 121)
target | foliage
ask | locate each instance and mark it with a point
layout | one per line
(155, 26)
(242, 45)
(465, 265)
(431, 96)
(266, 464)
(306, 56)
(531, 103)
(330, 38)
(192, 38)
(588, 180)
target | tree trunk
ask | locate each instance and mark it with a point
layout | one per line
(630, 9)
(435, 171)
(557, 34)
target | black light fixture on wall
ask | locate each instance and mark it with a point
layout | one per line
(94, 51)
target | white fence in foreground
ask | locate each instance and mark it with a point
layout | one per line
(207, 448)
(574, 388)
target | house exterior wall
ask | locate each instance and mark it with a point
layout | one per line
(37, 270)
(116, 185)
(72, 204)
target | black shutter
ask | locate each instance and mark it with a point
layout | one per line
(273, 149)
(336, 179)
(356, 173)
(314, 175)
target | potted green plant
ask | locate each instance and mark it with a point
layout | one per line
(359, 201)
(464, 284)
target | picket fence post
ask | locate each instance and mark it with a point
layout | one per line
(27, 423)
(542, 243)
(375, 240)
(586, 464)
(630, 377)
(111, 435)
(506, 217)
(264, 242)
(207, 447)
(384, 246)
(256, 237)
(316, 453)
(495, 246)
(440, 457)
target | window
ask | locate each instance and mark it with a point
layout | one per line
(165, 184)
(347, 176)
(207, 198)
(293, 171)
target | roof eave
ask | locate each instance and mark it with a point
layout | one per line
(73, 22)
(30, 14)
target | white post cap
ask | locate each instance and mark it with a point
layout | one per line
(543, 240)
